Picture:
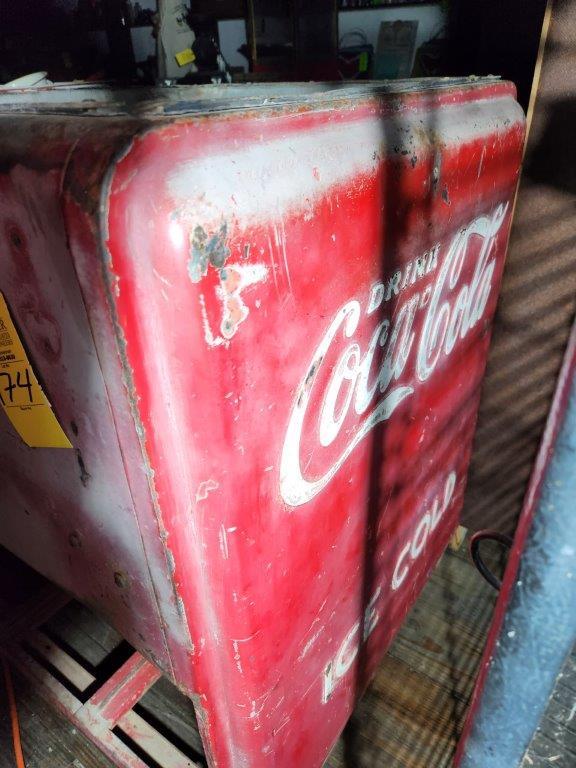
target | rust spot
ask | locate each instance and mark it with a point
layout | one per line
(436, 170)
(121, 579)
(44, 329)
(48, 348)
(84, 474)
(309, 378)
(313, 368)
(205, 250)
(432, 646)
(17, 242)
(15, 238)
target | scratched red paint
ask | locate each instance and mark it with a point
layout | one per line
(301, 296)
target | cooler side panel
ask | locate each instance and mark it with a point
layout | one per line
(69, 513)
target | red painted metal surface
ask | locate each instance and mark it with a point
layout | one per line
(273, 318)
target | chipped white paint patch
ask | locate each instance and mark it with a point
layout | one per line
(237, 657)
(211, 340)
(204, 489)
(162, 279)
(254, 712)
(482, 156)
(280, 239)
(223, 539)
(235, 278)
(310, 643)
(283, 724)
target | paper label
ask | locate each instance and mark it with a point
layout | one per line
(185, 57)
(21, 395)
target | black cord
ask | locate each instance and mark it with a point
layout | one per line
(475, 542)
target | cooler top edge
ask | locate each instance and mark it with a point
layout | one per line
(86, 100)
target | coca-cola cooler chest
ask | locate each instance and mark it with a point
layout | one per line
(243, 332)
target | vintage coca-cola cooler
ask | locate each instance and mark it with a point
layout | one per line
(242, 337)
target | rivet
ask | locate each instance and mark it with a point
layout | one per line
(120, 579)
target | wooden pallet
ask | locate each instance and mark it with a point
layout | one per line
(410, 717)
(84, 669)
(99, 702)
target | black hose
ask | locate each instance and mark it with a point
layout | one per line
(475, 541)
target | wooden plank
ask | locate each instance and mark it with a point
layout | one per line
(568, 675)
(562, 715)
(87, 634)
(392, 728)
(174, 711)
(60, 660)
(443, 636)
(564, 695)
(123, 689)
(548, 752)
(564, 738)
(48, 739)
(554, 743)
(76, 714)
(153, 743)
(40, 677)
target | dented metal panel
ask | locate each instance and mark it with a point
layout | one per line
(289, 300)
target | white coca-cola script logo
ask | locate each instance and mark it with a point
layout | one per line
(453, 308)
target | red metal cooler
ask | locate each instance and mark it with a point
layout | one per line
(242, 338)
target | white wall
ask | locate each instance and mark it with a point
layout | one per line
(143, 43)
(147, 5)
(431, 19)
(232, 34)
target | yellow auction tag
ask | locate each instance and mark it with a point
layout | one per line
(21, 395)
(184, 57)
